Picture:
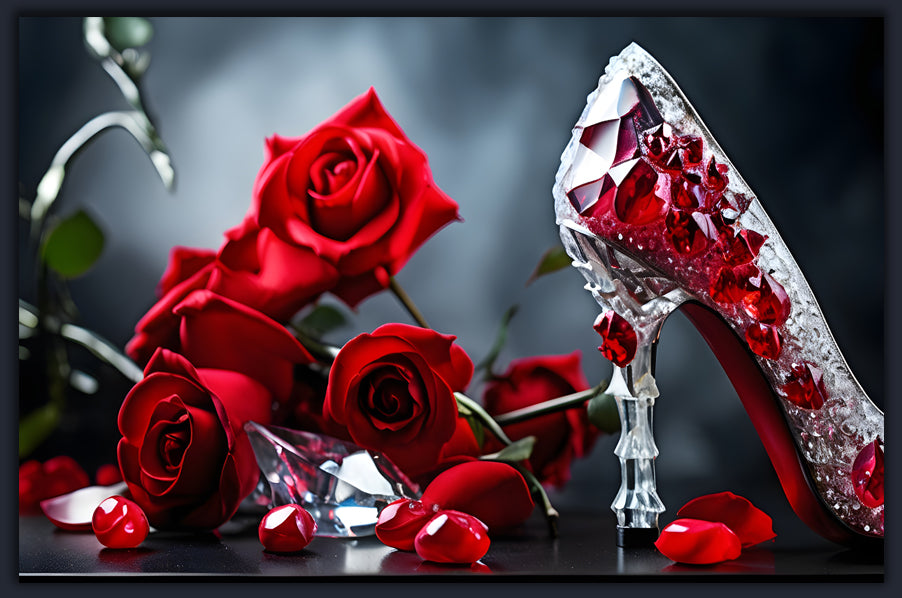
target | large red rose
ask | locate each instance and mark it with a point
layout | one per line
(356, 191)
(252, 267)
(394, 391)
(561, 436)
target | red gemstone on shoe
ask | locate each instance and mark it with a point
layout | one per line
(119, 523)
(867, 475)
(635, 201)
(698, 542)
(692, 150)
(715, 175)
(769, 304)
(594, 199)
(658, 141)
(288, 528)
(401, 521)
(744, 247)
(687, 194)
(805, 387)
(453, 537)
(684, 232)
(731, 285)
(619, 340)
(764, 340)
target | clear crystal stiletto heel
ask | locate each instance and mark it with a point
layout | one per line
(656, 218)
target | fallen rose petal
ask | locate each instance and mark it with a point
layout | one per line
(401, 521)
(74, 511)
(751, 524)
(697, 542)
(453, 537)
(493, 492)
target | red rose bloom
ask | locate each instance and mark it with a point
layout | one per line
(356, 191)
(394, 390)
(560, 437)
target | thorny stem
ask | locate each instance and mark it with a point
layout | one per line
(407, 302)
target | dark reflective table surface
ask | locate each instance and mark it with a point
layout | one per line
(585, 550)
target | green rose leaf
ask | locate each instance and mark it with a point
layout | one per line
(73, 245)
(322, 320)
(552, 260)
(602, 411)
(519, 450)
(127, 32)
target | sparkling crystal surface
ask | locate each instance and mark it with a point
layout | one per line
(805, 387)
(340, 484)
(867, 475)
(618, 338)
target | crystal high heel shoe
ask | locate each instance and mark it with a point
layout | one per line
(656, 217)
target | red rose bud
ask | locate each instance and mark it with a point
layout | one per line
(119, 523)
(401, 521)
(749, 523)
(288, 528)
(697, 542)
(453, 537)
(493, 492)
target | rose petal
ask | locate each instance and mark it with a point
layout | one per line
(749, 523)
(493, 492)
(452, 537)
(697, 542)
(401, 521)
(73, 511)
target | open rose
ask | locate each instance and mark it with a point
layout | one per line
(356, 191)
(394, 390)
(252, 267)
(561, 436)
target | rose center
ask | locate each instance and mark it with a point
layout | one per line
(174, 441)
(332, 171)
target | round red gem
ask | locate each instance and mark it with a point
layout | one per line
(288, 528)
(805, 387)
(769, 303)
(764, 340)
(619, 340)
(119, 523)
(453, 537)
(867, 475)
(636, 202)
(684, 232)
(401, 521)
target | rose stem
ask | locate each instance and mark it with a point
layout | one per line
(407, 302)
(550, 406)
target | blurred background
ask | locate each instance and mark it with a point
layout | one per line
(797, 103)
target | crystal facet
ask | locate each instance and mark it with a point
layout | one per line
(805, 387)
(619, 340)
(769, 303)
(764, 340)
(636, 202)
(867, 475)
(339, 483)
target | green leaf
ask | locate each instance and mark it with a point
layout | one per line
(73, 245)
(36, 427)
(552, 260)
(519, 450)
(489, 361)
(323, 319)
(602, 411)
(127, 32)
(476, 426)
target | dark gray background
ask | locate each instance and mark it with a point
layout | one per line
(796, 103)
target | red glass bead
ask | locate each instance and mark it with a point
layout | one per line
(769, 303)
(764, 340)
(401, 521)
(635, 201)
(698, 542)
(119, 523)
(619, 340)
(743, 248)
(805, 387)
(287, 528)
(731, 285)
(684, 232)
(867, 475)
(452, 537)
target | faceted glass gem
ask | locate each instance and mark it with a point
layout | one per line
(692, 150)
(594, 199)
(614, 141)
(341, 484)
(452, 537)
(686, 194)
(684, 232)
(401, 521)
(805, 387)
(619, 340)
(764, 340)
(636, 202)
(769, 303)
(288, 528)
(119, 523)
(658, 140)
(698, 542)
(731, 285)
(867, 475)
(744, 247)
(715, 175)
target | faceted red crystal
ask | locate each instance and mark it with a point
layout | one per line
(636, 202)
(743, 248)
(867, 475)
(731, 285)
(686, 194)
(658, 140)
(805, 386)
(769, 303)
(692, 150)
(672, 161)
(715, 175)
(614, 140)
(619, 340)
(684, 232)
(585, 198)
(764, 340)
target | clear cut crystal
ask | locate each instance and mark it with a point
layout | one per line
(342, 485)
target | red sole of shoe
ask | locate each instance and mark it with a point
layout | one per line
(769, 421)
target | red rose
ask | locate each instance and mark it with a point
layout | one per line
(356, 191)
(394, 390)
(560, 437)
